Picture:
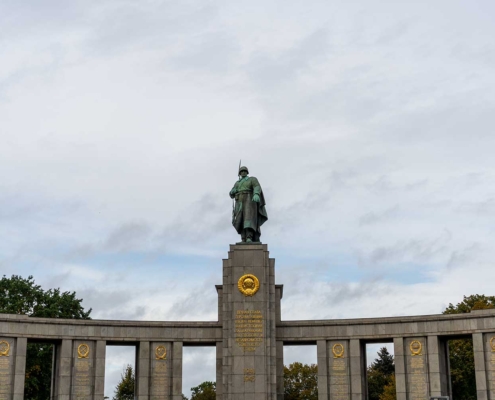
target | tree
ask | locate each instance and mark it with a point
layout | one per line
(461, 353)
(23, 296)
(205, 391)
(125, 388)
(301, 382)
(380, 373)
(389, 390)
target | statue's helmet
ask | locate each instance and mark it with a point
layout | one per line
(243, 169)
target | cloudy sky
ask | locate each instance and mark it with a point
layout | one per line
(368, 123)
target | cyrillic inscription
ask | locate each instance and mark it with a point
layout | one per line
(5, 378)
(418, 386)
(249, 329)
(339, 379)
(82, 380)
(491, 368)
(160, 382)
(492, 363)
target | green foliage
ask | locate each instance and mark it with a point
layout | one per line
(23, 296)
(38, 371)
(380, 373)
(461, 352)
(462, 375)
(125, 388)
(469, 303)
(205, 391)
(301, 382)
(389, 390)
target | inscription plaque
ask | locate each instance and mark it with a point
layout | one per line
(249, 329)
(82, 380)
(338, 368)
(160, 373)
(492, 363)
(83, 372)
(5, 379)
(6, 369)
(417, 372)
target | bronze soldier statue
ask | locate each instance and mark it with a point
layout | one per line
(249, 211)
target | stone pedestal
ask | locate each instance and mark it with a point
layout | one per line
(480, 366)
(161, 371)
(489, 353)
(83, 370)
(12, 365)
(416, 364)
(249, 360)
(338, 370)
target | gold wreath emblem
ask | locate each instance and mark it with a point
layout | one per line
(248, 285)
(338, 350)
(161, 353)
(416, 347)
(83, 351)
(492, 343)
(4, 348)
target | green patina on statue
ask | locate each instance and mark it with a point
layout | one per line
(249, 211)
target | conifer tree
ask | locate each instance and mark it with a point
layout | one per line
(125, 388)
(380, 374)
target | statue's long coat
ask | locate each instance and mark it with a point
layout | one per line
(247, 213)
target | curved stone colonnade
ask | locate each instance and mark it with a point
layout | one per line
(249, 339)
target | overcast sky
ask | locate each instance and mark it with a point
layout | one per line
(369, 125)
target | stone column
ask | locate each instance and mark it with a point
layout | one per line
(480, 367)
(249, 347)
(20, 368)
(83, 369)
(177, 370)
(339, 372)
(63, 370)
(416, 368)
(438, 366)
(280, 370)
(220, 302)
(358, 370)
(12, 367)
(100, 356)
(489, 346)
(162, 372)
(279, 293)
(219, 369)
(143, 371)
(400, 369)
(322, 362)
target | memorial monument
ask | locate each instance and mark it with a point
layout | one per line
(249, 336)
